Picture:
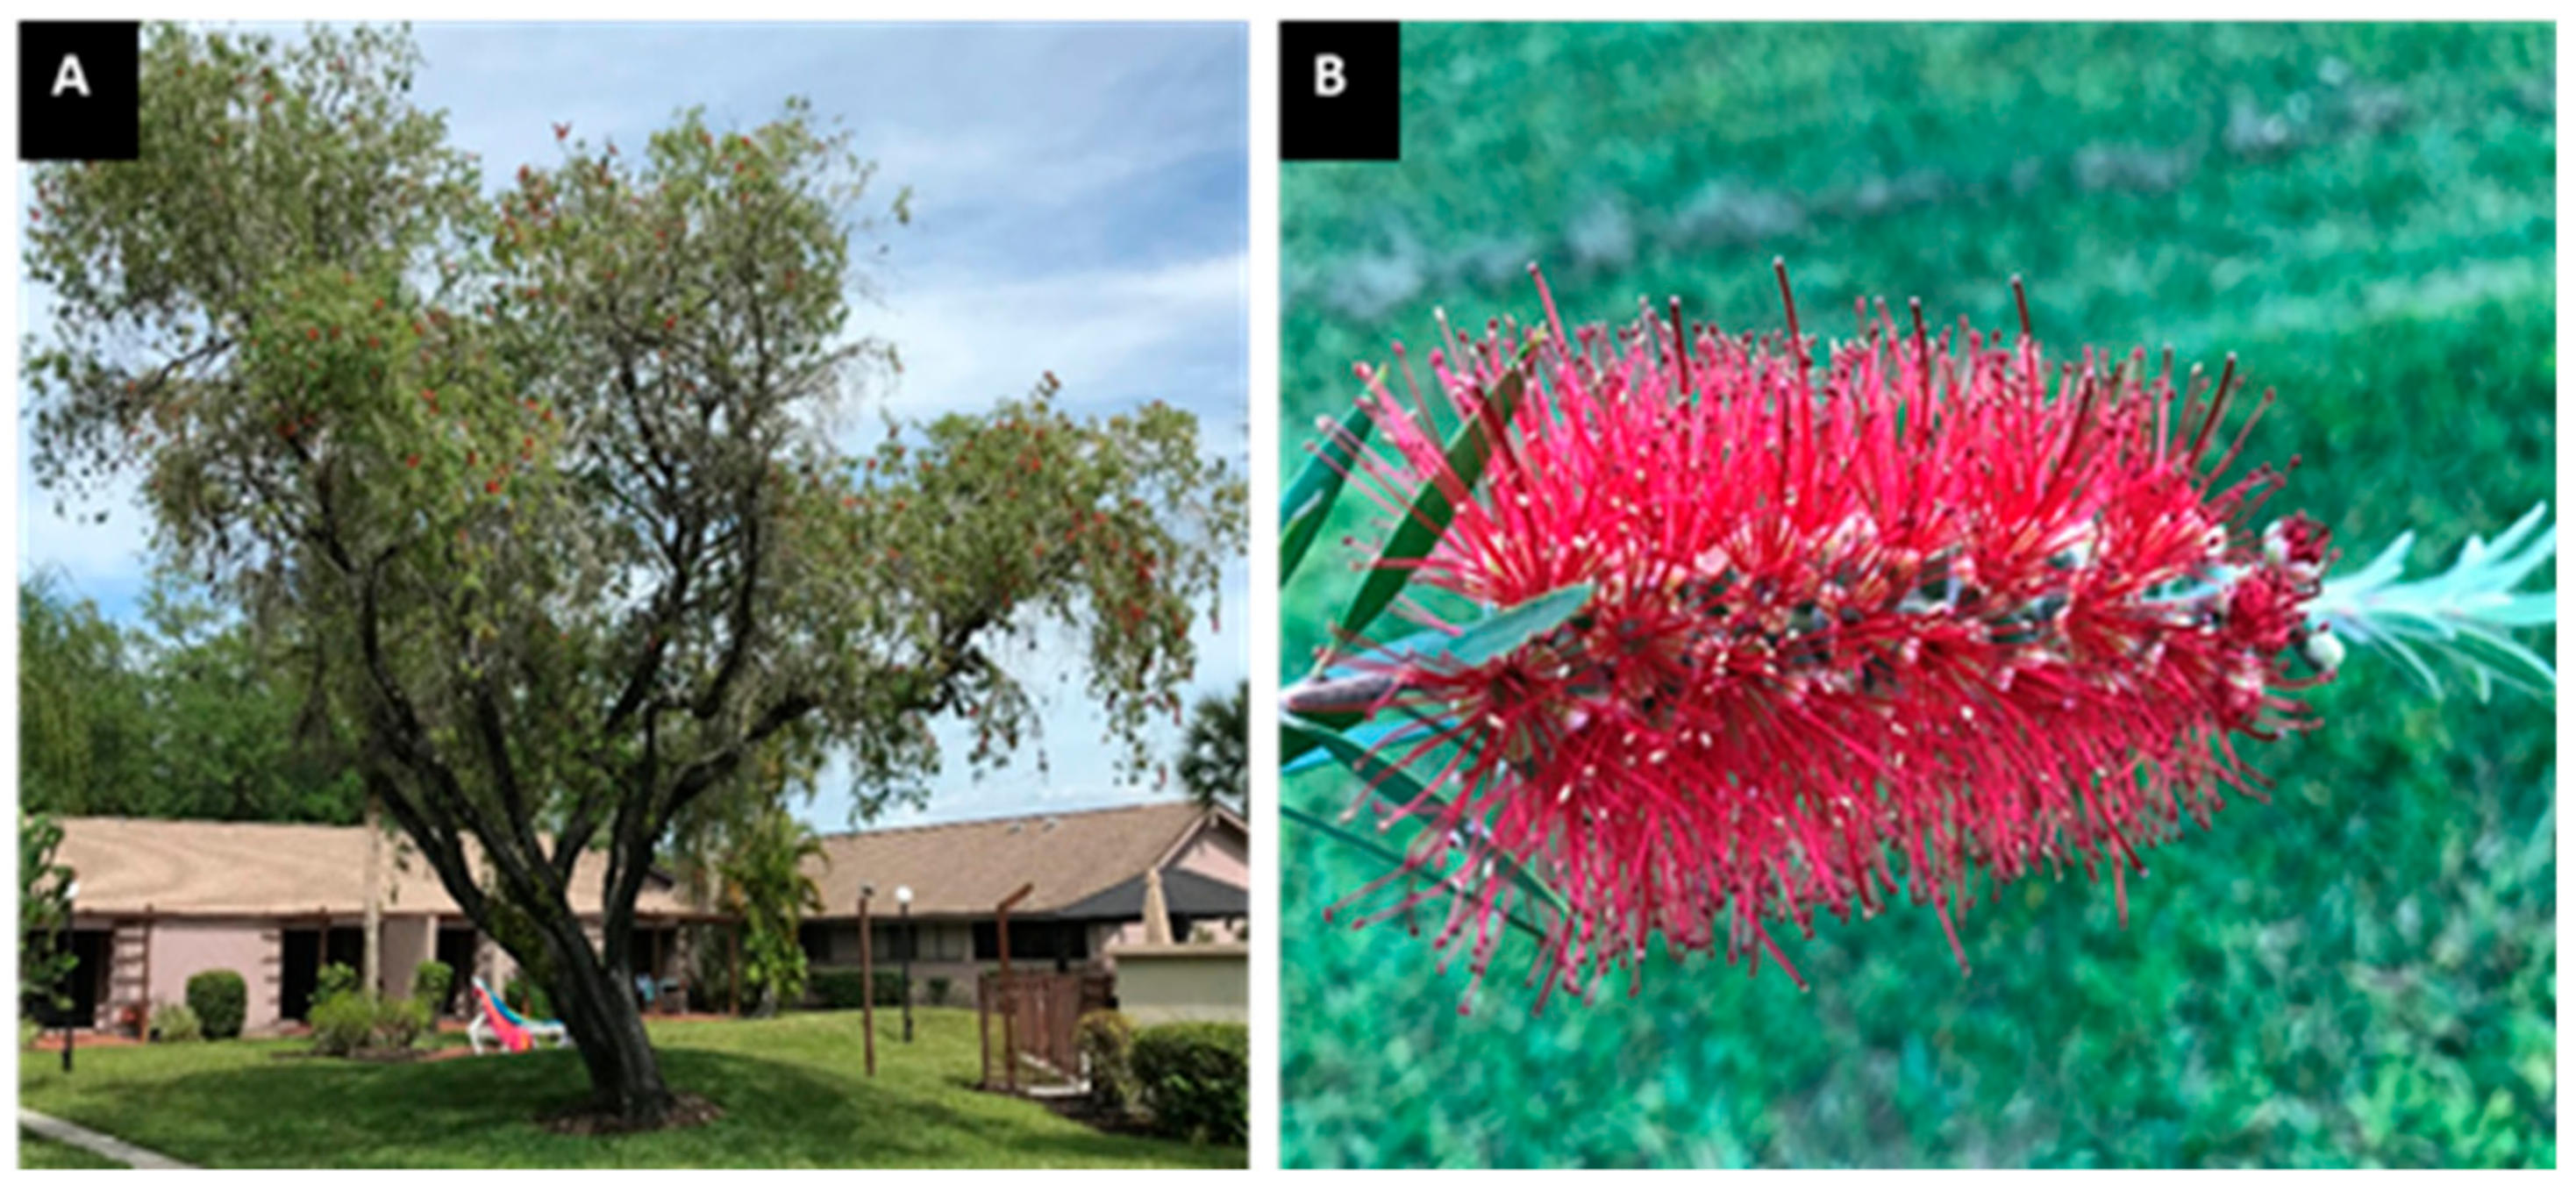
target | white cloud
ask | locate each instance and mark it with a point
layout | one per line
(1113, 336)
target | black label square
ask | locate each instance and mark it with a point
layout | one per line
(77, 93)
(1338, 98)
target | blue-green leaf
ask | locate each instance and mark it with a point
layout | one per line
(1308, 500)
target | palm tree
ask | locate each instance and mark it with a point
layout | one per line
(1216, 759)
(764, 884)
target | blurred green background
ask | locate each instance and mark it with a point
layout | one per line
(2361, 971)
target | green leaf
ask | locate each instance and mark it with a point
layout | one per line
(1293, 814)
(1431, 512)
(1510, 629)
(1394, 781)
(1309, 499)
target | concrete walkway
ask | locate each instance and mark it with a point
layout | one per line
(92, 1141)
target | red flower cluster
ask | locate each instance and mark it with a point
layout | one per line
(1938, 603)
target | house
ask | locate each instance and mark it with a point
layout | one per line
(1086, 873)
(159, 901)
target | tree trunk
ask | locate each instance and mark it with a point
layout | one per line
(599, 1010)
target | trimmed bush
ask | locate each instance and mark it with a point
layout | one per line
(837, 990)
(220, 1001)
(840, 990)
(430, 982)
(938, 990)
(527, 998)
(1107, 1042)
(1196, 1080)
(173, 1023)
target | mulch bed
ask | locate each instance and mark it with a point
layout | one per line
(686, 1111)
(1097, 1118)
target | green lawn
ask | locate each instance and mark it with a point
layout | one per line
(38, 1152)
(2361, 971)
(793, 1094)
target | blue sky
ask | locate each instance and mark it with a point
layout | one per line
(1079, 205)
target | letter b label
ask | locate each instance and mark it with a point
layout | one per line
(1339, 95)
(1329, 82)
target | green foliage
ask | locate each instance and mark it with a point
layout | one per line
(1216, 756)
(176, 1023)
(333, 979)
(1107, 1043)
(837, 990)
(528, 998)
(762, 870)
(221, 1002)
(1196, 1080)
(430, 982)
(2361, 970)
(349, 1023)
(44, 913)
(342, 1023)
(186, 719)
(937, 990)
(400, 1023)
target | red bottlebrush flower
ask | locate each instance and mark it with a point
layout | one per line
(1932, 606)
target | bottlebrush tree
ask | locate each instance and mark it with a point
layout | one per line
(1752, 629)
(547, 476)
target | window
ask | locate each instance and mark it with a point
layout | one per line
(1035, 941)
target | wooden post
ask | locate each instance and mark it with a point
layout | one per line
(733, 974)
(1010, 989)
(984, 1021)
(868, 979)
(147, 972)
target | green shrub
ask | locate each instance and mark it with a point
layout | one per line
(173, 1023)
(343, 1023)
(348, 1022)
(335, 978)
(938, 990)
(430, 982)
(400, 1023)
(220, 1001)
(837, 990)
(1107, 1042)
(1196, 1080)
(527, 998)
(889, 988)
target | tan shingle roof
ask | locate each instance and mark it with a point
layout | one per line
(965, 868)
(270, 869)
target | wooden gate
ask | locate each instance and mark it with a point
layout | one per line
(1028, 1023)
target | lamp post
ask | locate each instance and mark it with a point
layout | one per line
(63, 937)
(868, 976)
(911, 938)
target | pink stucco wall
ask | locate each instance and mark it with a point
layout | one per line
(182, 949)
(406, 943)
(1220, 854)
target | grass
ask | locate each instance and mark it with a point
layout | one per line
(35, 1151)
(2361, 971)
(792, 1090)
